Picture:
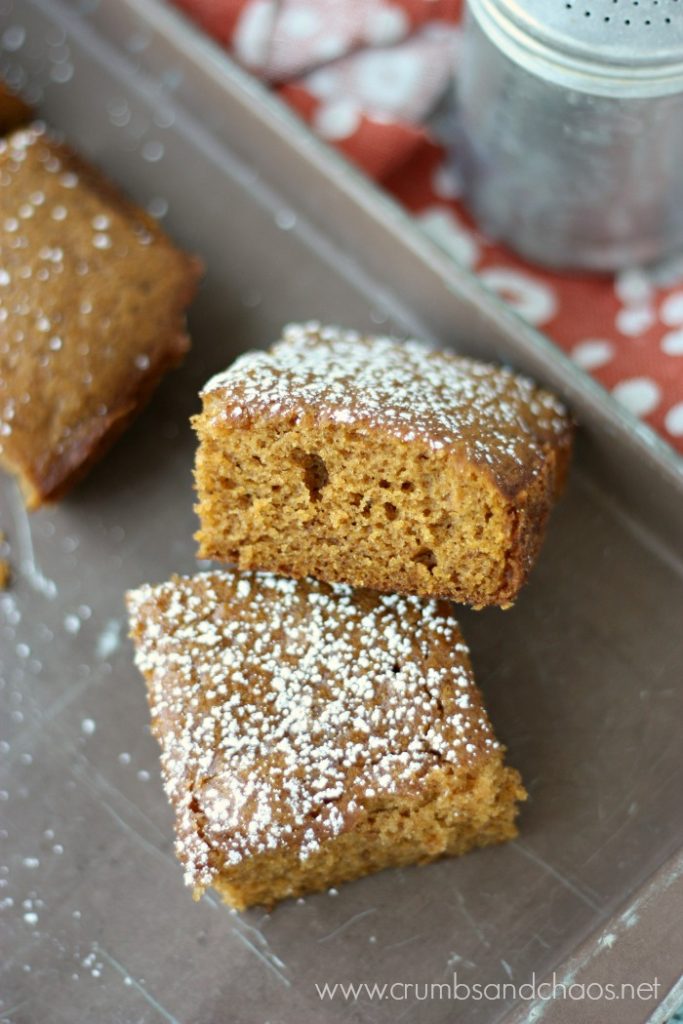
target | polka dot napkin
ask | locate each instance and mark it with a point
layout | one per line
(367, 75)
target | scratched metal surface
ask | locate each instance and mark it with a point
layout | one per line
(582, 677)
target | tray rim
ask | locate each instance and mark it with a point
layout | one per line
(197, 47)
(263, 103)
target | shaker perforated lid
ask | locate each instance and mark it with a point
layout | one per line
(636, 43)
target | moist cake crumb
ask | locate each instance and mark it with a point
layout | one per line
(92, 312)
(311, 733)
(378, 463)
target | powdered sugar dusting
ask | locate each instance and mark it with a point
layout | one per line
(285, 707)
(413, 393)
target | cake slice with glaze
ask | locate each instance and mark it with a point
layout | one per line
(92, 312)
(378, 463)
(311, 734)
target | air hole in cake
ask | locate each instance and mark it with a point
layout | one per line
(391, 510)
(315, 472)
(426, 557)
(385, 484)
(407, 486)
(396, 668)
(245, 501)
(365, 511)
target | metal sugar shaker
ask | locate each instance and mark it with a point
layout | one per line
(569, 135)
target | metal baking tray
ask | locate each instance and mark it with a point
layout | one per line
(582, 677)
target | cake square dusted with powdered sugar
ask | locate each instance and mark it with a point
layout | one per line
(311, 733)
(92, 312)
(379, 463)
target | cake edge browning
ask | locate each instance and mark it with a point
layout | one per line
(43, 486)
(15, 112)
(530, 512)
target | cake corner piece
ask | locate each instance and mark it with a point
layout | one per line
(311, 734)
(94, 297)
(379, 463)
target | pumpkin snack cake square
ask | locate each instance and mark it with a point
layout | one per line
(92, 312)
(378, 463)
(311, 734)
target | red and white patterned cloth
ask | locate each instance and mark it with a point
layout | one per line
(366, 74)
